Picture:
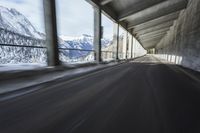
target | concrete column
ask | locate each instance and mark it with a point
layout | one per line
(131, 46)
(127, 46)
(116, 39)
(134, 47)
(97, 34)
(51, 32)
(124, 43)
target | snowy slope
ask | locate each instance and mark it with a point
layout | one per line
(13, 20)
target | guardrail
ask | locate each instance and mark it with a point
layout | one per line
(39, 55)
(17, 48)
(12, 50)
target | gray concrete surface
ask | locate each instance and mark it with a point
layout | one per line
(183, 39)
(155, 22)
(144, 96)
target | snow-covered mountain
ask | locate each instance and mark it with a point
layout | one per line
(81, 42)
(13, 20)
(84, 42)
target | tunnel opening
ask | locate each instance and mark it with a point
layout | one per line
(109, 66)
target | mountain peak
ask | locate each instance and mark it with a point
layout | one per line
(13, 20)
(14, 11)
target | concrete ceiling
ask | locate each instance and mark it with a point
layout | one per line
(148, 20)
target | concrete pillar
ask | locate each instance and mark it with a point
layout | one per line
(124, 44)
(51, 32)
(134, 48)
(127, 44)
(97, 34)
(116, 39)
(131, 46)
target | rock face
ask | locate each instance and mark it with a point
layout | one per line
(181, 44)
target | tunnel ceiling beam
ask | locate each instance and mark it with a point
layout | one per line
(153, 32)
(155, 36)
(155, 28)
(152, 41)
(154, 22)
(104, 2)
(158, 38)
(137, 7)
(152, 36)
(156, 11)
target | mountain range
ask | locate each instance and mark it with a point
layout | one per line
(13, 20)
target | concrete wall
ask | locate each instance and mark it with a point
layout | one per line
(138, 50)
(181, 44)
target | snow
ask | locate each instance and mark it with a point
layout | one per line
(20, 27)
(13, 20)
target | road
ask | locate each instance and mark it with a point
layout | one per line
(144, 96)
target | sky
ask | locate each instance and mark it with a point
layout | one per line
(74, 17)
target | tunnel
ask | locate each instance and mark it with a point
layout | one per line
(145, 80)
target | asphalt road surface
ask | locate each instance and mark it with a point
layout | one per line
(144, 96)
